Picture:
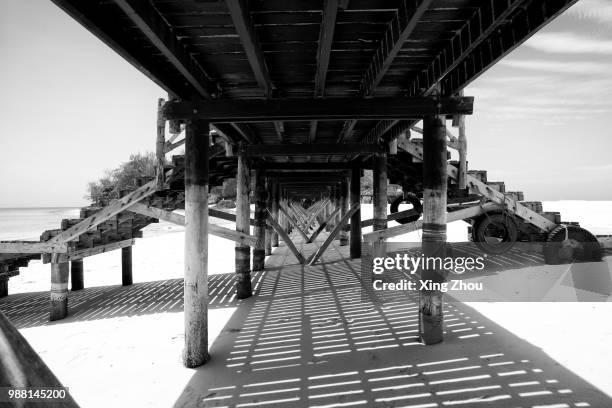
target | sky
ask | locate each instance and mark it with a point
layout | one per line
(72, 108)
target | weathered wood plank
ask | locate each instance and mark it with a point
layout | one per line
(295, 109)
(179, 219)
(31, 247)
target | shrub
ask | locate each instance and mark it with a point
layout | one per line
(125, 176)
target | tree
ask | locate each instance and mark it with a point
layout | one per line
(124, 177)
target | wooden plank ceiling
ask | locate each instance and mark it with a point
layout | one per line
(245, 49)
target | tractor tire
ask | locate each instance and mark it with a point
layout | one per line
(569, 243)
(503, 227)
(410, 198)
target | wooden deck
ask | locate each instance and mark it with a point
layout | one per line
(308, 337)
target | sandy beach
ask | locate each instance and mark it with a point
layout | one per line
(100, 358)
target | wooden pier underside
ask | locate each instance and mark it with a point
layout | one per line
(308, 338)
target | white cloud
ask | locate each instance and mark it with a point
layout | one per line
(570, 43)
(596, 10)
(561, 67)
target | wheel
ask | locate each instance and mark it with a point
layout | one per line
(569, 243)
(495, 232)
(410, 198)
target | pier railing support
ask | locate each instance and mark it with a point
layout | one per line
(379, 248)
(59, 290)
(259, 252)
(355, 235)
(431, 302)
(243, 211)
(196, 244)
(126, 266)
(76, 274)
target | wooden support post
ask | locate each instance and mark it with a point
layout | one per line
(462, 173)
(275, 200)
(4, 285)
(126, 266)
(76, 274)
(434, 226)
(355, 188)
(344, 205)
(269, 230)
(59, 290)
(160, 146)
(379, 248)
(259, 252)
(243, 211)
(338, 204)
(196, 244)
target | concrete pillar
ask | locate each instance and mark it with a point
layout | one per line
(126, 266)
(355, 225)
(196, 244)
(259, 252)
(243, 215)
(76, 274)
(435, 177)
(59, 290)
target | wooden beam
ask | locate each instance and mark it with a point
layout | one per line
(31, 247)
(452, 216)
(332, 235)
(179, 219)
(281, 232)
(390, 217)
(126, 266)
(241, 18)
(87, 252)
(295, 109)
(326, 38)
(226, 216)
(152, 25)
(398, 31)
(309, 149)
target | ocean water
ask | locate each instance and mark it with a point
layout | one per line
(30, 223)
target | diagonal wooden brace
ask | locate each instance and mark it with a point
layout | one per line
(293, 222)
(343, 221)
(281, 232)
(322, 226)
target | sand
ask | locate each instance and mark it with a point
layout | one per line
(133, 361)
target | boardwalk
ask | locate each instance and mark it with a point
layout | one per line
(309, 337)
